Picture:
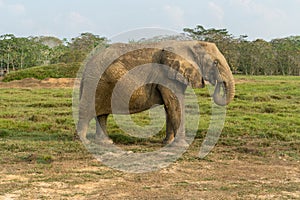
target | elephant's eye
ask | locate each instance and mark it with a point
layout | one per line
(216, 62)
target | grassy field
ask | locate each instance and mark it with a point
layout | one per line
(257, 156)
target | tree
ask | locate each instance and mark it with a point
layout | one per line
(49, 41)
(18, 53)
(280, 56)
(86, 42)
(78, 48)
(287, 55)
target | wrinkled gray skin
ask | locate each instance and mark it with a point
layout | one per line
(193, 62)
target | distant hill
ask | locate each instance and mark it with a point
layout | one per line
(60, 70)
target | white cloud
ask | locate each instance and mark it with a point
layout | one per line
(28, 23)
(255, 8)
(217, 11)
(72, 22)
(264, 19)
(17, 8)
(77, 18)
(175, 13)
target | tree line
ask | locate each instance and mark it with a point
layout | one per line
(17, 53)
(279, 56)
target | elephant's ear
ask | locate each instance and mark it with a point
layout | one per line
(182, 70)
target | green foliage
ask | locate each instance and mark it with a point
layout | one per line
(20, 52)
(71, 56)
(50, 41)
(86, 42)
(50, 71)
(209, 35)
(80, 47)
(277, 57)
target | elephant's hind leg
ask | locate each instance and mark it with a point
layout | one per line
(170, 135)
(101, 136)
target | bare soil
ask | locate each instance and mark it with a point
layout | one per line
(35, 83)
(221, 175)
(57, 83)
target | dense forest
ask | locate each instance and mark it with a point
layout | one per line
(279, 56)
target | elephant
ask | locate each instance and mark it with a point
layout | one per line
(178, 64)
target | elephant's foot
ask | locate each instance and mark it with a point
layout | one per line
(179, 142)
(103, 140)
(85, 141)
(168, 140)
(82, 138)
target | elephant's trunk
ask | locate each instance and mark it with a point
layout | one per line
(224, 91)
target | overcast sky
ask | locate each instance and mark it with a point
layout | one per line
(266, 19)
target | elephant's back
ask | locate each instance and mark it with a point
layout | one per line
(142, 98)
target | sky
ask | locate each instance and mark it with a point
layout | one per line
(259, 19)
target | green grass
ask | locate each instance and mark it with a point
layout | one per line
(36, 110)
(267, 107)
(34, 123)
(41, 72)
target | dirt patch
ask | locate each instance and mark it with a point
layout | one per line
(212, 178)
(62, 83)
(243, 80)
(35, 83)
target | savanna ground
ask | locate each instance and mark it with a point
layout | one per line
(257, 156)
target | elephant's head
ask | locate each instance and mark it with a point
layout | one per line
(198, 61)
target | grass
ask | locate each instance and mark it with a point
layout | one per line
(41, 72)
(37, 110)
(36, 131)
(267, 108)
(263, 108)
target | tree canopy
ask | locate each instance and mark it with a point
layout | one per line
(23, 52)
(280, 56)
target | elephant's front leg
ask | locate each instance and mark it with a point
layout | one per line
(82, 128)
(85, 116)
(101, 132)
(174, 106)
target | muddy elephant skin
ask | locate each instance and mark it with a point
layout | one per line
(170, 67)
